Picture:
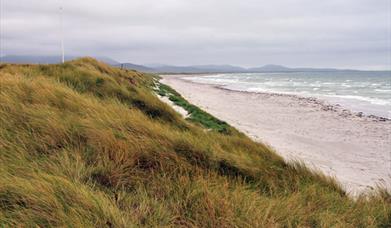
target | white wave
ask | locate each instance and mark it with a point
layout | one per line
(383, 90)
(375, 101)
(346, 85)
(357, 95)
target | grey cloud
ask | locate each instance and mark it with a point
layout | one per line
(333, 33)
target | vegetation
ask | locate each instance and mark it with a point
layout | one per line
(86, 145)
(196, 115)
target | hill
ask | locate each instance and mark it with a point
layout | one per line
(44, 59)
(159, 68)
(269, 68)
(279, 68)
(199, 69)
(131, 66)
(83, 144)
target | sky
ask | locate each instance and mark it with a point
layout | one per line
(352, 34)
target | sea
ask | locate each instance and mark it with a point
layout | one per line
(368, 92)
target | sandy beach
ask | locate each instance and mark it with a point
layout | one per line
(354, 149)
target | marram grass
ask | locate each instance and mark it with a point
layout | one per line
(83, 144)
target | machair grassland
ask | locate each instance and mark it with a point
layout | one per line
(83, 144)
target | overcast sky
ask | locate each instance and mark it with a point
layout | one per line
(296, 33)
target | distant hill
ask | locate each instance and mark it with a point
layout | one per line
(234, 69)
(268, 68)
(31, 59)
(221, 68)
(176, 69)
(159, 68)
(135, 67)
(199, 69)
(280, 68)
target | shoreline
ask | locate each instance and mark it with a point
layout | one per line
(289, 124)
(326, 105)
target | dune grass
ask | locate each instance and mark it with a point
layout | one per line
(83, 144)
(196, 114)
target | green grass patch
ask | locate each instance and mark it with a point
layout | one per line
(196, 115)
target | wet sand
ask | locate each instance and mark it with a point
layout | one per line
(354, 149)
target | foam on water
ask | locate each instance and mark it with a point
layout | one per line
(368, 92)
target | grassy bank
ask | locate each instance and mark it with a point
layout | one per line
(196, 115)
(83, 144)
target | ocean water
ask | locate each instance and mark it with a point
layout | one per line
(367, 92)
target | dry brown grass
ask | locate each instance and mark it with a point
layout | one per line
(85, 144)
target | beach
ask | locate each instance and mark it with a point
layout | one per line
(354, 149)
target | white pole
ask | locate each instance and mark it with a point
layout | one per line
(1, 31)
(62, 34)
